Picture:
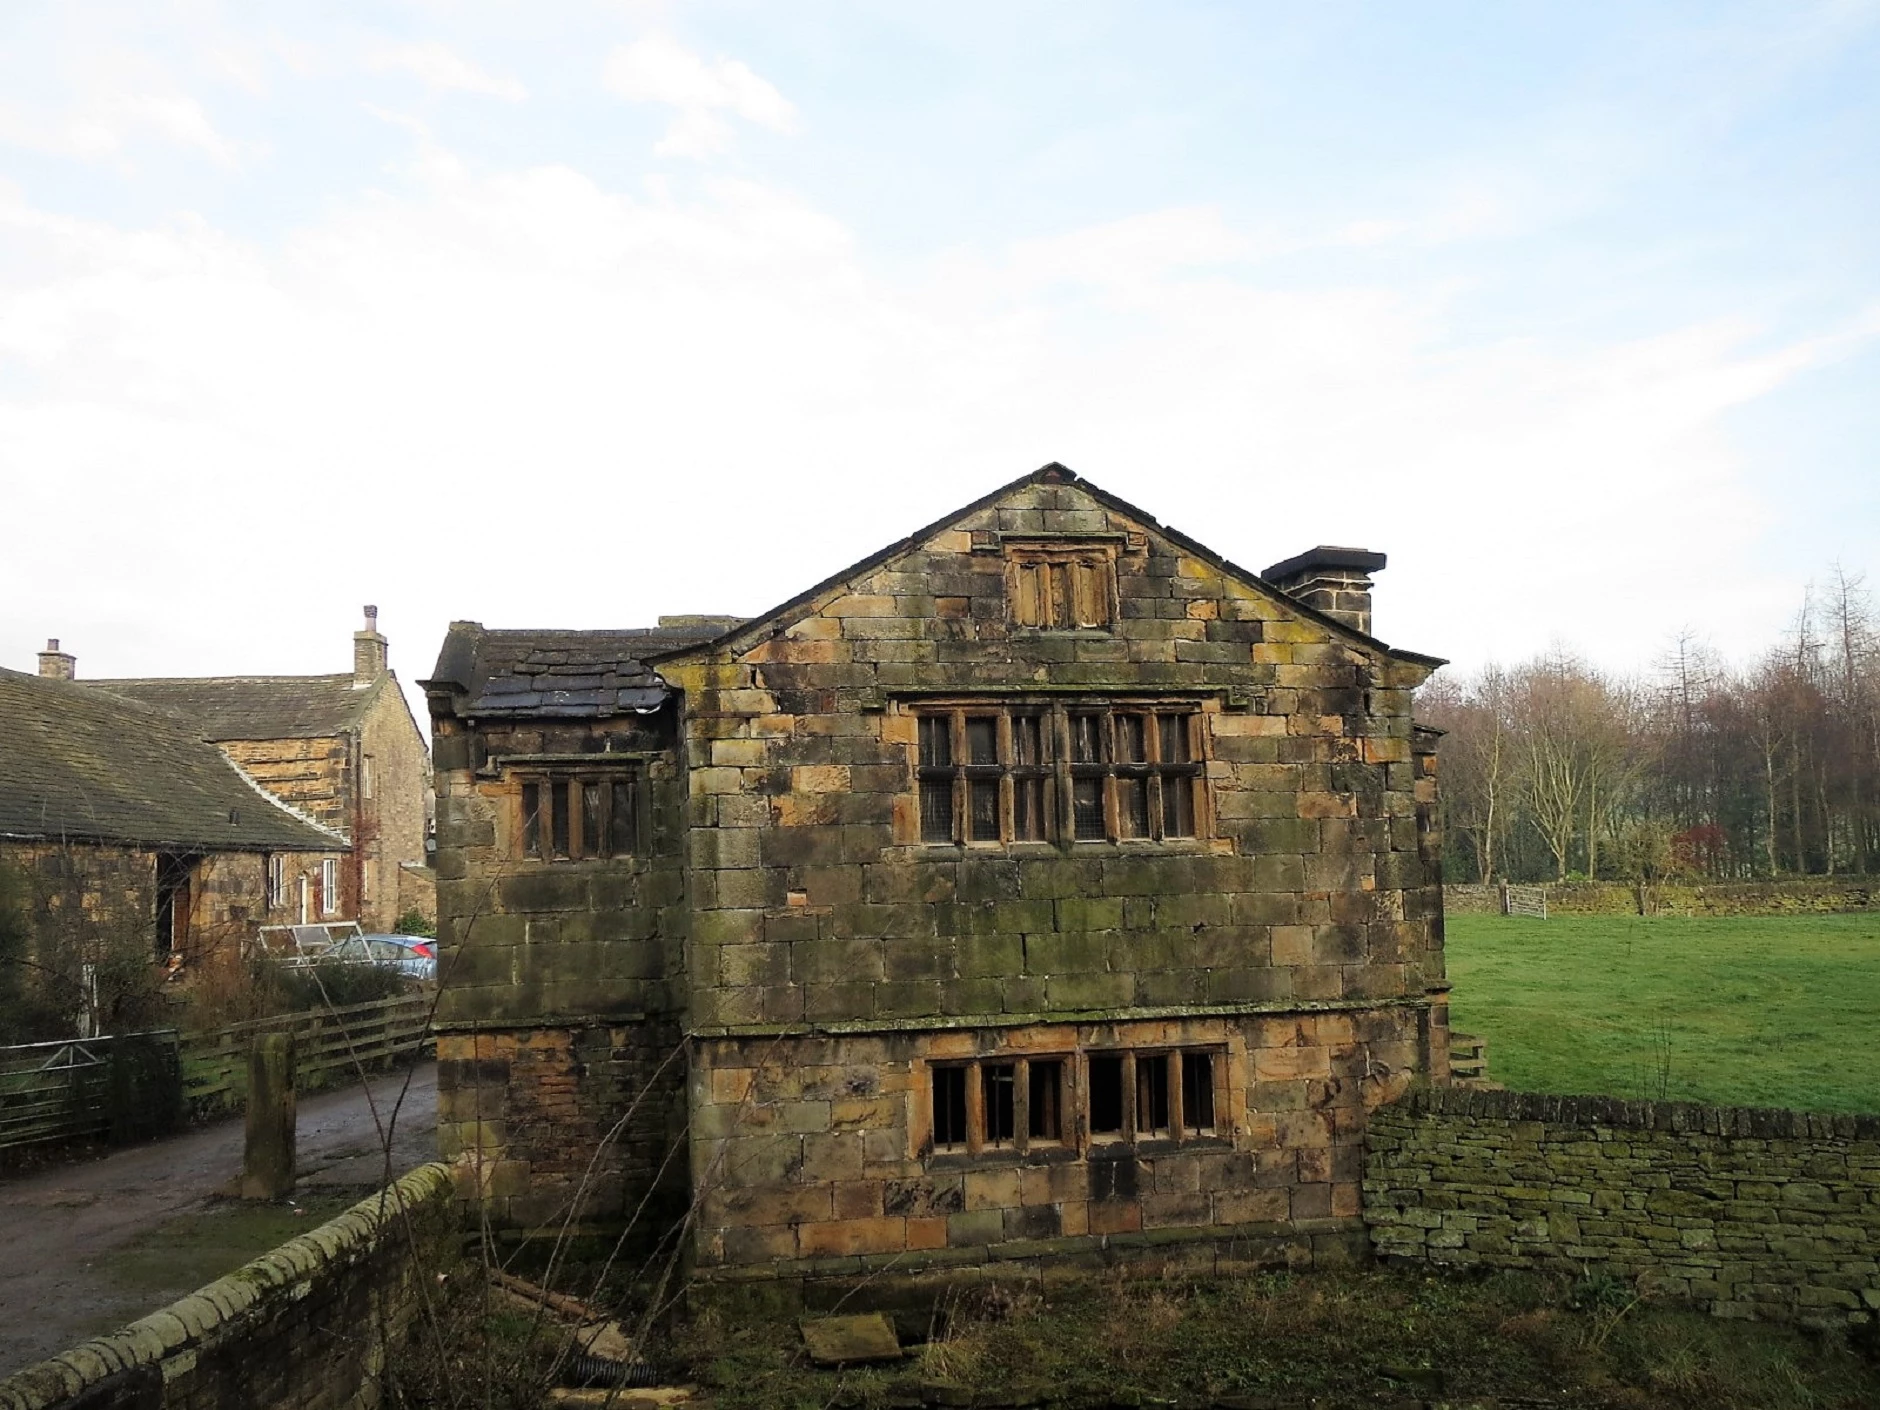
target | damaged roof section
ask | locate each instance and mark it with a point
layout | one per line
(568, 674)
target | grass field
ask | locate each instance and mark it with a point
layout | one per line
(1741, 1011)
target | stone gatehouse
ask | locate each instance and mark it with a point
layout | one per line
(1043, 883)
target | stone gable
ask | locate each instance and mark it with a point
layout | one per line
(1044, 877)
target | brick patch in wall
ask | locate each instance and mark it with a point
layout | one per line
(1748, 1213)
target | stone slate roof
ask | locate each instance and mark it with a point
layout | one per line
(562, 673)
(81, 763)
(254, 707)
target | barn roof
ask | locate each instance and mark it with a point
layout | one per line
(254, 707)
(83, 764)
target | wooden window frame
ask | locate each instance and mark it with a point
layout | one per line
(1173, 790)
(1074, 1093)
(1178, 1130)
(1057, 587)
(560, 827)
(1022, 1141)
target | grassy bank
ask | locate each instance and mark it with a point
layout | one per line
(1747, 1011)
(1381, 1338)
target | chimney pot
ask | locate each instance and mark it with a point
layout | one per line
(55, 664)
(1334, 580)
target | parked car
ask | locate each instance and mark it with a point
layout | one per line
(408, 954)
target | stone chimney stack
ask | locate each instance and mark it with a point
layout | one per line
(1337, 581)
(368, 651)
(57, 665)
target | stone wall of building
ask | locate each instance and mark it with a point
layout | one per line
(818, 907)
(1310, 877)
(93, 900)
(312, 776)
(394, 806)
(312, 1324)
(558, 1015)
(583, 1121)
(1749, 1213)
(814, 1157)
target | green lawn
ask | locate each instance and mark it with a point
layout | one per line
(1741, 1011)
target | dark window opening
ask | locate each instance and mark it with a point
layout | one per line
(174, 872)
(558, 818)
(1000, 1093)
(1046, 1101)
(624, 823)
(532, 819)
(1197, 1092)
(564, 819)
(1106, 1096)
(1152, 1095)
(949, 1107)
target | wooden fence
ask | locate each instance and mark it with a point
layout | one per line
(124, 1087)
(132, 1086)
(331, 1047)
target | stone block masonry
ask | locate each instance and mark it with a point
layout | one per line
(309, 1325)
(1771, 1215)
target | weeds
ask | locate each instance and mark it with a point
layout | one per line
(1346, 1338)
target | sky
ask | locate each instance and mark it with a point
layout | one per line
(575, 314)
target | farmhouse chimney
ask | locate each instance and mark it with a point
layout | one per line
(1336, 581)
(57, 665)
(368, 651)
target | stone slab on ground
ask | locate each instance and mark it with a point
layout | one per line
(844, 1341)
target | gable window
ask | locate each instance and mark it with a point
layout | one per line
(576, 815)
(1061, 588)
(1048, 773)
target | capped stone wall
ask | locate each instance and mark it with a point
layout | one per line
(1748, 1213)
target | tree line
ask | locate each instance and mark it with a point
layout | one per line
(1554, 769)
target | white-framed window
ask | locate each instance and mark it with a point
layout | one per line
(277, 881)
(329, 887)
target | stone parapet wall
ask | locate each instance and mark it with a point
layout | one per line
(1749, 1213)
(310, 1324)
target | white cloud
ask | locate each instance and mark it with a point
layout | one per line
(658, 69)
(109, 119)
(523, 397)
(442, 69)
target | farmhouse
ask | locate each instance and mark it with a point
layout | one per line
(131, 838)
(1042, 884)
(341, 748)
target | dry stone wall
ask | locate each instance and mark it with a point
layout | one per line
(1749, 1213)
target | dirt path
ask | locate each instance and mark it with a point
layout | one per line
(88, 1247)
